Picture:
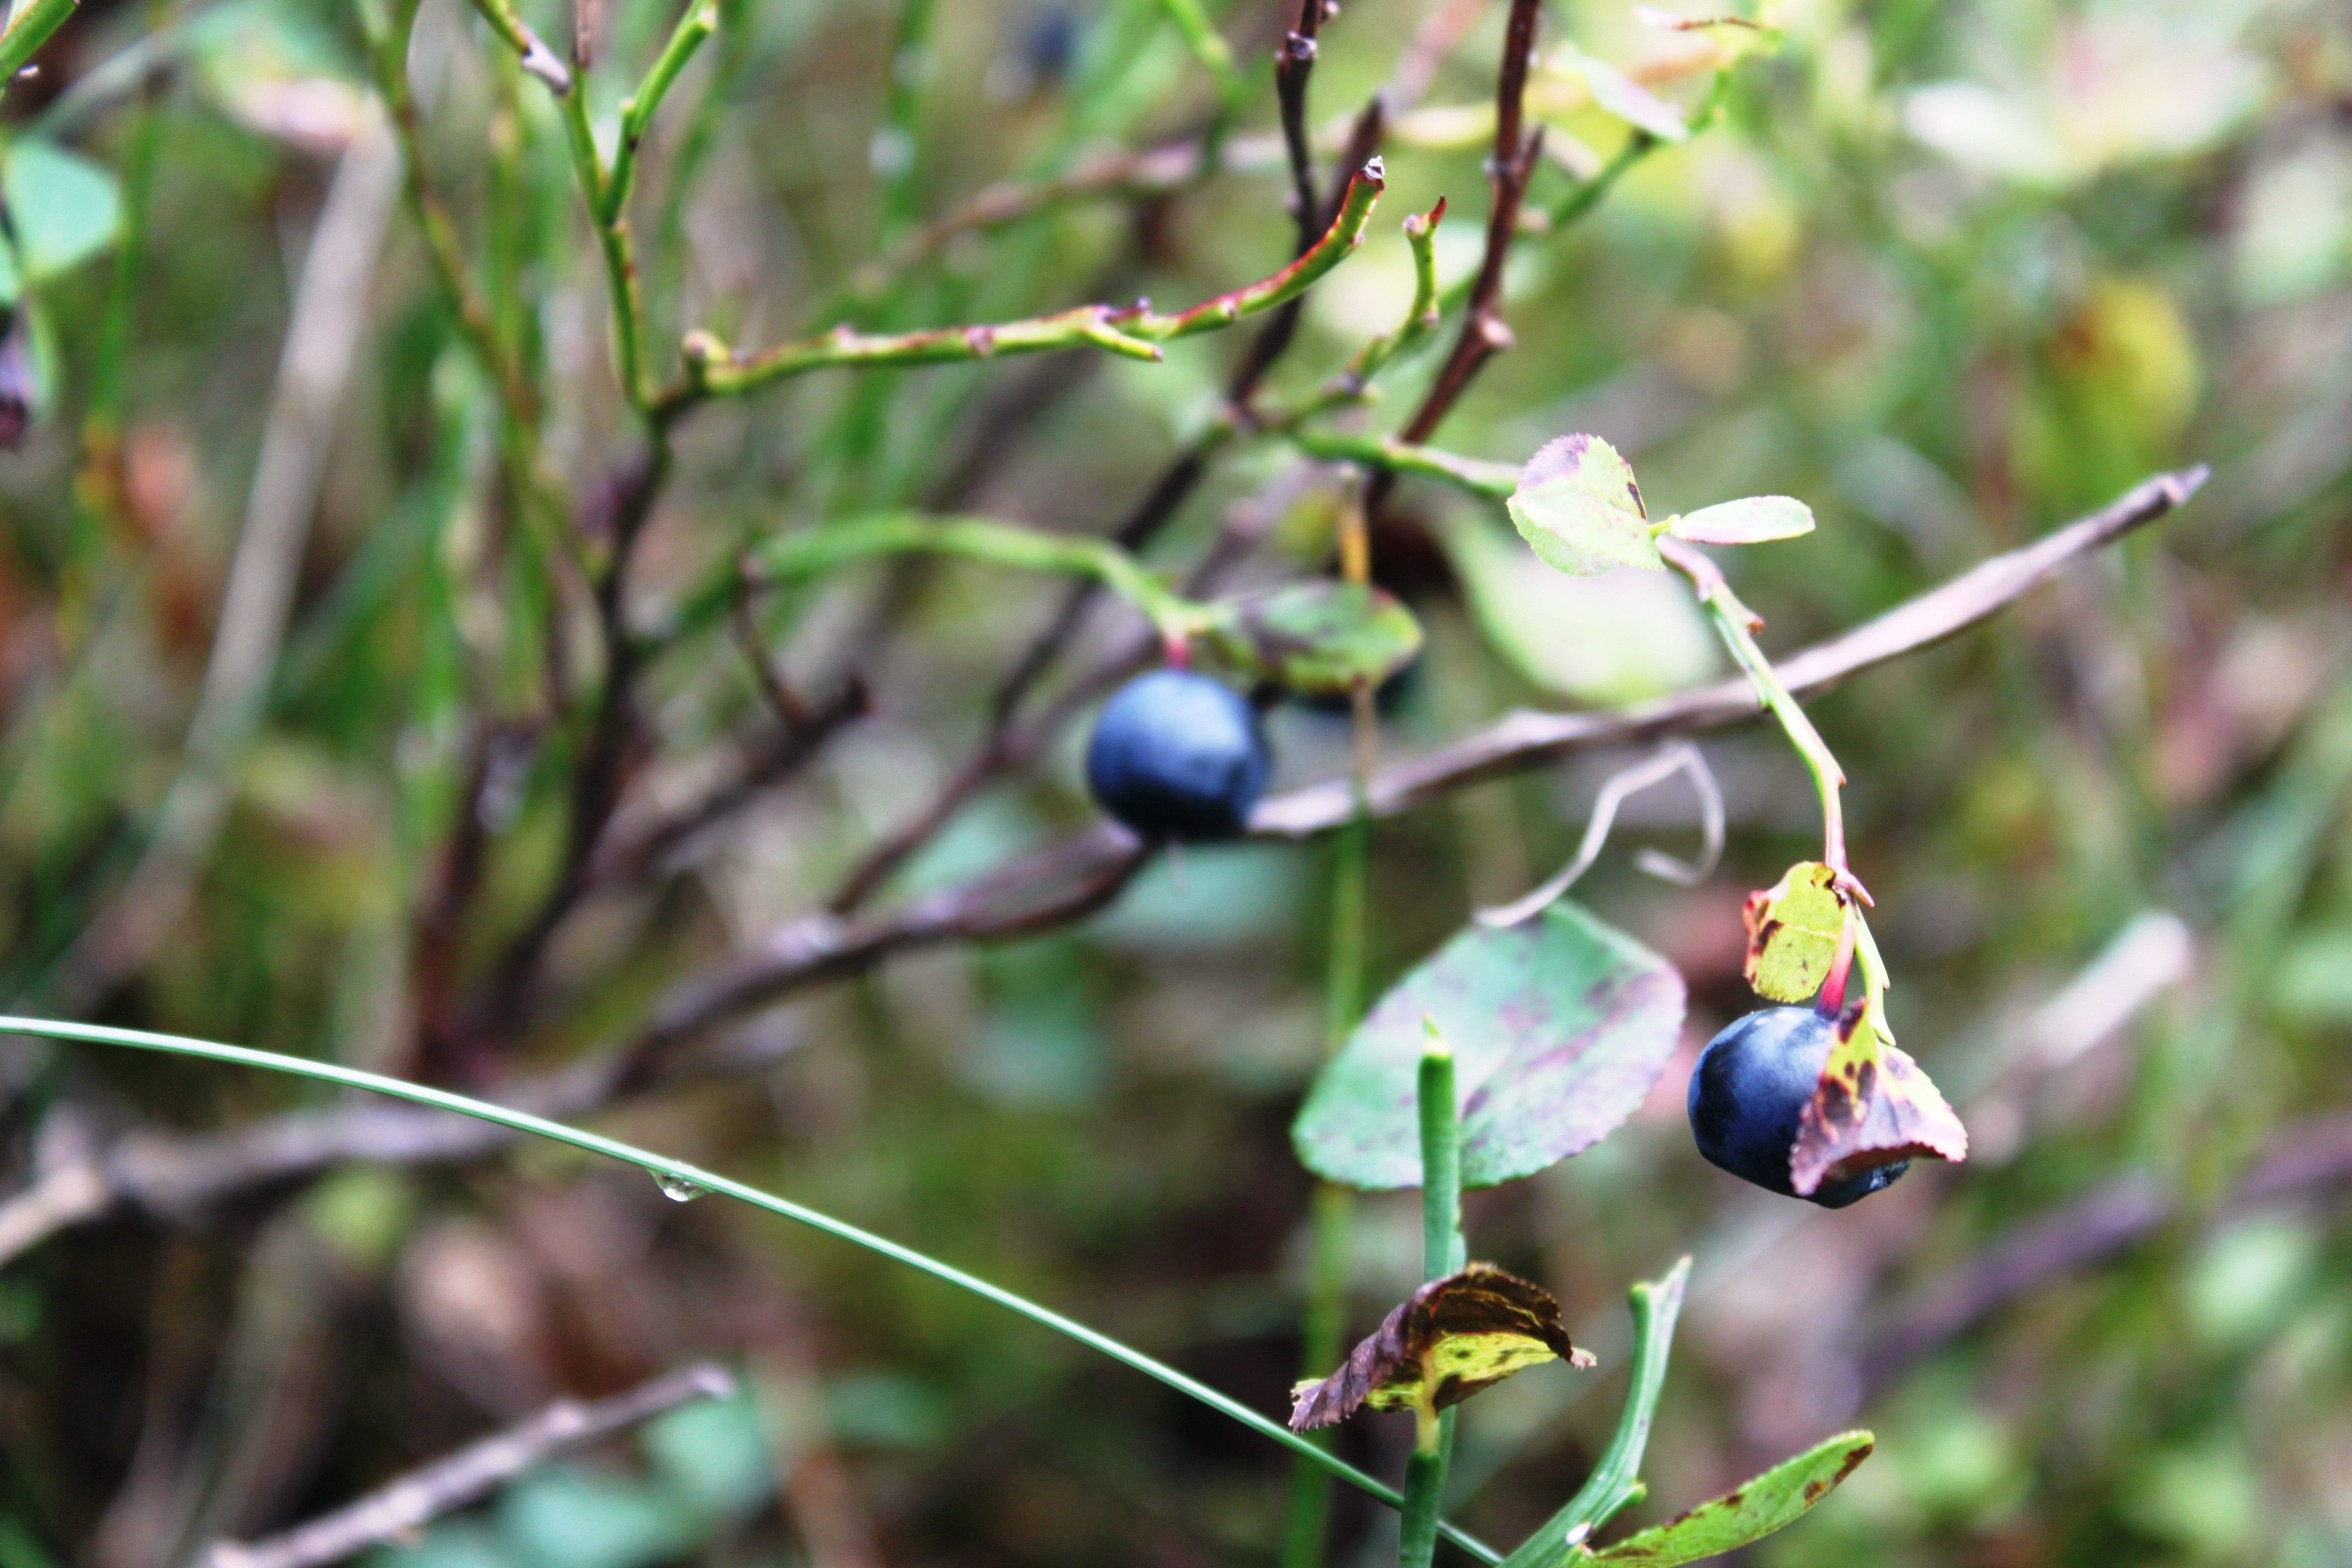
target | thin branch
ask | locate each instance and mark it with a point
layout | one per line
(1509, 167)
(635, 849)
(694, 29)
(1675, 757)
(537, 58)
(472, 1473)
(1294, 63)
(1134, 331)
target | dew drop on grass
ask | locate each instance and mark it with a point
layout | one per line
(677, 1188)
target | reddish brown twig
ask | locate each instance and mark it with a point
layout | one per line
(1484, 333)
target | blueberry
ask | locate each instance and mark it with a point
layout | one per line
(1749, 1091)
(1178, 755)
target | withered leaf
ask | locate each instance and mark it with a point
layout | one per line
(1793, 931)
(1873, 1106)
(1445, 1342)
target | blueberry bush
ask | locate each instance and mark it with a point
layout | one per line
(977, 628)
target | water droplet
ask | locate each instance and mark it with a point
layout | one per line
(677, 1188)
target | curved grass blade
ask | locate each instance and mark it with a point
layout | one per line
(678, 1172)
(1614, 1483)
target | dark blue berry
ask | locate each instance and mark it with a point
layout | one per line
(1178, 755)
(1750, 1090)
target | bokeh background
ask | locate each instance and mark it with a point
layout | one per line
(1951, 273)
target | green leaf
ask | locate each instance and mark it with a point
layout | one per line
(1318, 636)
(1755, 520)
(65, 208)
(1748, 1513)
(1559, 1027)
(1793, 931)
(1579, 507)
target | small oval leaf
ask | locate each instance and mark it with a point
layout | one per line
(1778, 1497)
(1318, 637)
(1559, 1025)
(1793, 931)
(1757, 519)
(1580, 509)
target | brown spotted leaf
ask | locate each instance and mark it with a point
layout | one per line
(1748, 1513)
(1445, 1342)
(1793, 930)
(1873, 1107)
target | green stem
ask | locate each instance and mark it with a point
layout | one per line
(897, 142)
(798, 556)
(1441, 1255)
(1208, 46)
(27, 31)
(715, 370)
(694, 29)
(1487, 480)
(1441, 1162)
(679, 1174)
(1615, 1482)
(1353, 383)
(619, 252)
(1736, 624)
(537, 58)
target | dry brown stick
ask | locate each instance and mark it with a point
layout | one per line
(471, 1474)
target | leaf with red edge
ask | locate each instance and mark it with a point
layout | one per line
(1448, 1340)
(1580, 509)
(1873, 1106)
(1769, 1502)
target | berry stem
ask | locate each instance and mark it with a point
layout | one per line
(1737, 624)
(1832, 999)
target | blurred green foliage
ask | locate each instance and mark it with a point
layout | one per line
(1948, 273)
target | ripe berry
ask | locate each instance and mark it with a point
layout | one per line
(1178, 755)
(1750, 1090)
